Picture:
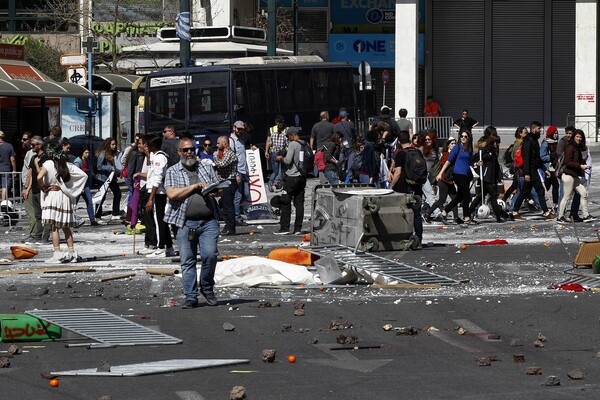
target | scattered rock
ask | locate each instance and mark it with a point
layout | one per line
(516, 343)
(103, 367)
(336, 325)
(286, 328)
(13, 349)
(268, 355)
(432, 329)
(227, 327)
(484, 362)
(299, 312)
(269, 304)
(542, 338)
(11, 288)
(518, 358)
(533, 371)
(462, 331)
(576, 374)
(598, 354)
(342, 339)
(298, 305)
(494, 358)
(388, 327)
(538, 343)
(408, 330)
(313, 341)
(552, 381)
(4, 362)
(238, 393)
(493, 336)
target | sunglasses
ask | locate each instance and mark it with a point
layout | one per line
(207, 144)
(464, 136)
(186, 149)
(24, 139)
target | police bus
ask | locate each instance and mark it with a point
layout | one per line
(207, 100)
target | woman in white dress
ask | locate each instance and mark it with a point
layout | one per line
(60, 182)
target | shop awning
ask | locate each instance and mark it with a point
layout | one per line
(19, 79)
(113, 82)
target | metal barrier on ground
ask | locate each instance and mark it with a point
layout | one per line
(12, 206)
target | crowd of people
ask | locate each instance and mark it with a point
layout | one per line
(167, 179)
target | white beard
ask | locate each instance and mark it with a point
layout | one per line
(189, 163)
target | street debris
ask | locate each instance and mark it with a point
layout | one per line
(538, 343)
(13, 349)
(103, 367)
(268, 355)
(299, 308)
(117, 276)
(336, 325)
(227, 327)
(238, 393)
(388, 327)
(4, 362)
(292, 255)
(46, 270)
(576, 374)
(462, 331)
(313, 341)
(256, 271)
(542, 338)
(493, 336)
(407, 330)
(269, 304)
(483, 362)
(533, 371)
(516, 343)
(432, 329)
(162, 271)
(518, 358)
(551, 381)
(343, 339)
(286, 328)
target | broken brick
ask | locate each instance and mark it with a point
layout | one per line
(336, 325)
(268, 355)
(518, 358)
(343, 339)
(238, 393)
(576, 374)
(299, 312)
(552, 381)
(533, 371)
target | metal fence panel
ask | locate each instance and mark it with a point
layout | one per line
(589, 124)
(12, 207)
(443, 125)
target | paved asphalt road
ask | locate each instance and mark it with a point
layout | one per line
(504, 302)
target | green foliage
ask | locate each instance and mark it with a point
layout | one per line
(45, 58)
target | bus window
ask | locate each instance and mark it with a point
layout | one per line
(256, 92)
(302, 97)
(166, 106)
(286, 94)
(271, 93)
(208, 98)
(321, 88)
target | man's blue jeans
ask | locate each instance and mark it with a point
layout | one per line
(278, 170)
(207, 233)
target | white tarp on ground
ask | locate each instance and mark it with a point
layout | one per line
(254, 271)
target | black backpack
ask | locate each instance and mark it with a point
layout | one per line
(307, 159)
(415, 168)
(507, 157)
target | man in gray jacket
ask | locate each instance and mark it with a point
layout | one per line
(293, 186)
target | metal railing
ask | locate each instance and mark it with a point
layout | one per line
(443, 125)
(12, 208)
(589, 124)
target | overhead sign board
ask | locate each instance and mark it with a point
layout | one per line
(73, 59)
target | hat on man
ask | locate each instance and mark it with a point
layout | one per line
(239, 124)
(551, 131)
(343, 114)
(293, 130)
(1, 134)
(385, 109)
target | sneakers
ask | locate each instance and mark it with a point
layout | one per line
(240, 222)
(94, 223)
(100, 222)
(459, 221)
(563, 220)
(147, 250)
(549, 215)
(589, 218)
(58, 258)
(75, 258)
(270, 187)
(576, 218)
(170, 252)
(156, 253)
(282, 232)
(516, 216)
(211, 299)
(227, 232)
(427, 217)
(189, 303)
(79, 222)
(115, 217)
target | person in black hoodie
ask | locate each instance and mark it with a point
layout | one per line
(532, 162)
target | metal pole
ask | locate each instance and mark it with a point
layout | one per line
(272, 28)
(184, 45)
(295, 16)
(363, 76)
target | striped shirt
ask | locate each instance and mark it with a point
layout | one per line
(226, 166)
(176, 177)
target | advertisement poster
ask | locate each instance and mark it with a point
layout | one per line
(72, 121)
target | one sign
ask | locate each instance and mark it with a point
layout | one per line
(73, 59)
(77, 75)
(12, 52)
(377, 49)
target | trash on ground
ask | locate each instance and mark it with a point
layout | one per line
(268, 355)
(336, 325)
(292, 255)
(576, 374)
(254, 271)
(552, 381)
(162, 271)
(533, 371)
(518, 358)
(238, 393)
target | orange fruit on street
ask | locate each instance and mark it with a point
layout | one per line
(291, 358)
(54, 382)
(463, 246)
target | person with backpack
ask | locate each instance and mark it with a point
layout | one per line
(460, 160)
(294, 183)
(332, 156)
(354, 165)
(549, 158)
(445, 185)
(574, 170)
(530, 150)
(408, 178)
(369, 171)
(509, 163)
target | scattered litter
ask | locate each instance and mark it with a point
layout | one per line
(298, 305)
(269, 304)
(576, 374)
(538, 343)
(162, 271)
(343, 339)
(4, 362)
(542, 338)
(493, 336)
(117, 276)
(336, 325)
(462, 331)
(516, 343)
(268, 355)
(432, 329)
(227, 327)
(299, 312)
(46, 270)
(255, 271)
(388, 327)
(14, 349)
(518, 358)
(286, 328)
(533, 371)
(408, 330)
(551, 381)
(238, 393)
(483, 362)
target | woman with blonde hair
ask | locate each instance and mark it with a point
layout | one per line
(108, 161)
(60, 182)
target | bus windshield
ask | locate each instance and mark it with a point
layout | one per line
(206, 105)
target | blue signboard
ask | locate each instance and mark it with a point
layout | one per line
(376, 49)
(348, 12)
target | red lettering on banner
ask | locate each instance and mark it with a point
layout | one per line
(255, 187)
(27, 331)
